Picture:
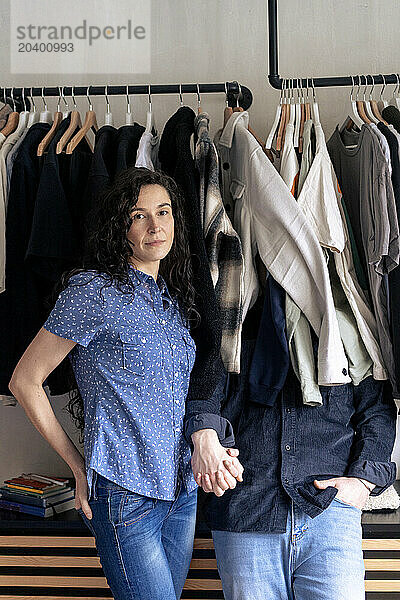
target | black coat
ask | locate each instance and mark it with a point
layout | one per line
(177, 161)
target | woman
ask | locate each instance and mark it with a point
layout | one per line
(126, 329)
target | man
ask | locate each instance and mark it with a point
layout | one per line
(292, 528)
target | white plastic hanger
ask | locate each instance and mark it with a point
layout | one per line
(397, 89)
(108, 117)
(297, 117)
(292, 110)
(271, 135)
(45, 115)
(367, 104)
(354, 112)
(23, 115)
(383, 100)
(314, 107)
(66, 111)
(149, 118)
(34, 114)
(128, 114)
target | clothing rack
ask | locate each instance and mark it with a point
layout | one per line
(277, 82)
(233, 90)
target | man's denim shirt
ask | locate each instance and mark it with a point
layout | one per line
(285, 447)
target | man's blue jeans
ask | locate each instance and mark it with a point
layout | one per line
(145, 545)
(316, 559)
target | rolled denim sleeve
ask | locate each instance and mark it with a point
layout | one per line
(374, 424)
(206, 414)
(211, 421)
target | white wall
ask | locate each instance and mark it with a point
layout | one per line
(215, 41)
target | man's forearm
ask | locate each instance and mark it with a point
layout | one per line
(37, 407)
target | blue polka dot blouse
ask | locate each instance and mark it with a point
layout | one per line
(132, 363)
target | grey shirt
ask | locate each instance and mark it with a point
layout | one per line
(365, 182)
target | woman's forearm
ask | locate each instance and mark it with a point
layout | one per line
(34, 401)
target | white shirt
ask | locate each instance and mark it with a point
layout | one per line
(320, 199)
(269, 220)
(147, 151)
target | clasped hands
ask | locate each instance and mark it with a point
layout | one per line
(215, 468)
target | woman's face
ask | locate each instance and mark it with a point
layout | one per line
(152, 231)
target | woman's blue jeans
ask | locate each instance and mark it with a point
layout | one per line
(145, 545)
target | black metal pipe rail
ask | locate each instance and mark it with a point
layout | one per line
(232, 88)
(276, 81)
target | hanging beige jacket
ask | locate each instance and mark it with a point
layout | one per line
(269, 221)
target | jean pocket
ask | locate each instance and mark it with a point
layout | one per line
(346, 504)
(130, 508)
(87, 521)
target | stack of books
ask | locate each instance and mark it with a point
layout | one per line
(38, 495)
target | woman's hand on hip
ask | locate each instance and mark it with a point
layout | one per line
(215, 468)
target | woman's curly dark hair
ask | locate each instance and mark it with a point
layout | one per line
(108, 251)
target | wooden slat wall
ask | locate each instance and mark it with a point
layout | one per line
(383, 574)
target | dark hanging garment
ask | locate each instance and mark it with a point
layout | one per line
(56, 240)
(19, 302)
(177, 161)
(394, 276)
(391, 114)
(103, 166)
(270, 361)
(364, 179)
(128, 138)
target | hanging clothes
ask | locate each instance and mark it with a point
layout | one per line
(267, 218)
(223, 246)
(4, 112)
(177, 161)
(128, 138)
(18, 303)
(300, 343)
(391, 114)
(289, 168)
(365, 182)
(147, 153)
(307, 155)
(320, 200)
(103, 167)
(270, 361)
(393, 278)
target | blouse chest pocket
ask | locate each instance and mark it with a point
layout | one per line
(141, 352)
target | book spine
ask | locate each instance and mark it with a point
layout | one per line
(20, 487)
(24, 508)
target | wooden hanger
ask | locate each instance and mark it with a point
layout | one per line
(12, 120)
(90, 123)
(11, 125)
(281, 129)
(270, 138)
(374, 106)
(51, 133)
(75, 123)
(362, 113)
